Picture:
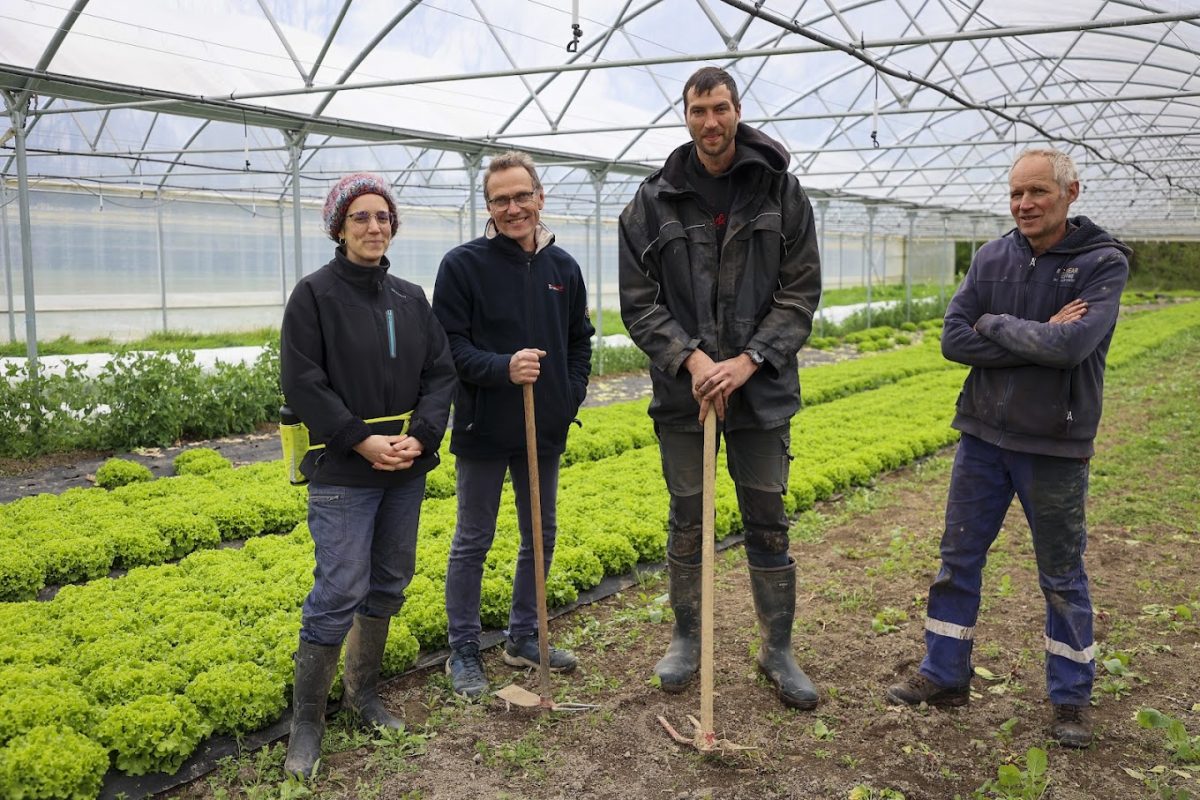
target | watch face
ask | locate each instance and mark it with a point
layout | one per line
(755, 356)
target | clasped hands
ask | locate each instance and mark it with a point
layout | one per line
(390, 453)
(714, 382)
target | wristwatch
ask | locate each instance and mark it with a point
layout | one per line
(755, 356)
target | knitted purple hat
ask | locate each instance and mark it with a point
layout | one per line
(345, 192)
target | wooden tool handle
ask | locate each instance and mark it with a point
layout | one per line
(539, 555)
(708, 564)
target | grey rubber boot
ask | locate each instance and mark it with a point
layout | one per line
(678, 667)
(360, 678)
(315, 667)
(774, 592)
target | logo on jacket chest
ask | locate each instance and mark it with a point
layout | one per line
(555, 287)
(1066, 275)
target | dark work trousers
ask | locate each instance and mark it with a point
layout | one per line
(1053, 492)
(366, 551)
(758, 462)
(478, 487)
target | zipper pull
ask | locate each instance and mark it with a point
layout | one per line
(1032, 262)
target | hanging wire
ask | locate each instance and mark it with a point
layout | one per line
(245, 142)
(576, 31)
(875, 114)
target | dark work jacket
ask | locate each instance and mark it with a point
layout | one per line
(1036, 387)
(758, 290)
(358, 343)
(494, 299)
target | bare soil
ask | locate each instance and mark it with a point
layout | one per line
(873, 550)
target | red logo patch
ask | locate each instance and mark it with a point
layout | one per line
(554, 287)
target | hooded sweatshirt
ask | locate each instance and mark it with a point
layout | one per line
(1036, 387)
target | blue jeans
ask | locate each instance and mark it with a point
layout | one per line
(478, 488)
(1053, 492)
(366, 551)
(758, 462)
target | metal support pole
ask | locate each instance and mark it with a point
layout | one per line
(461, 238)
(822, 207)
(283, 287)
(162, 258)
(908, 259)
(294, 150)
(472, 174)
(8, 278)
(870, 257)
(974, 234)
(598, 185)
(26, 227)
(942, 279)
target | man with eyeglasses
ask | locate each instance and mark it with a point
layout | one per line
(720, 277)
(514, 307)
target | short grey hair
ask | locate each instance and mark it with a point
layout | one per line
(513, 158)
(1062, 165)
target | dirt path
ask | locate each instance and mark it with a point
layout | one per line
(865, 563)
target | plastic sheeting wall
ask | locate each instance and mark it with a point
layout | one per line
(229, 267)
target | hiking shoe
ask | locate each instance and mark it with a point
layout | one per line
(465, 668)
(1072, 726)
(523, 652)
(919, 689)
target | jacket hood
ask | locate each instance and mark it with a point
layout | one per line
(1082, 235)
(752, 147)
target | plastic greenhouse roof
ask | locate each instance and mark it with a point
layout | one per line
(892, 106)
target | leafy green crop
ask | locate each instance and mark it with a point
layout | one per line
(52, 761)
(119, 471)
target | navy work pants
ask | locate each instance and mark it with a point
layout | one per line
(478, 488)
(1053, 492)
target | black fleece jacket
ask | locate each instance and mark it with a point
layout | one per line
(494, 299)
(358, 343)
(1036, 387)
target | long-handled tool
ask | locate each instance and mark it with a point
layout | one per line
(512, 693)
(705, 738)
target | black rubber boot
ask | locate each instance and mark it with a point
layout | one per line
(315, 667)
(360, 678)
(774, 592)
(678, 667)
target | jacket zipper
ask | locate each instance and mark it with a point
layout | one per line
(1024, 304)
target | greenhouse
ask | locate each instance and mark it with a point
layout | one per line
(163, 171)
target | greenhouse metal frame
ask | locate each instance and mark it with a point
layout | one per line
(902, 116)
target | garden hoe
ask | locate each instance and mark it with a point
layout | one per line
(517, 695)
(705, 739)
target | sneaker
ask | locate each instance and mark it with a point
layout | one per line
(523, 652)
(919, 689)
(1072, 726)
(465, 668)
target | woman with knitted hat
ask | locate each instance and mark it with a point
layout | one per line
(366, 366)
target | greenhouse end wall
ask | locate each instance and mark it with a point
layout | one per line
(229, 266)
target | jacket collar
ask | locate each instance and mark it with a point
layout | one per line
(1082, 235)
(543, 238)
(753, 148)
(356, 274)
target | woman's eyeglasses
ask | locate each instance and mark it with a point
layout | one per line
(384, 218)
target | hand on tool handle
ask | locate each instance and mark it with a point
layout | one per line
(713, 382)
(525, 365)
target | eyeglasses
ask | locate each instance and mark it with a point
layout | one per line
(384, 218)
(523, 199)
